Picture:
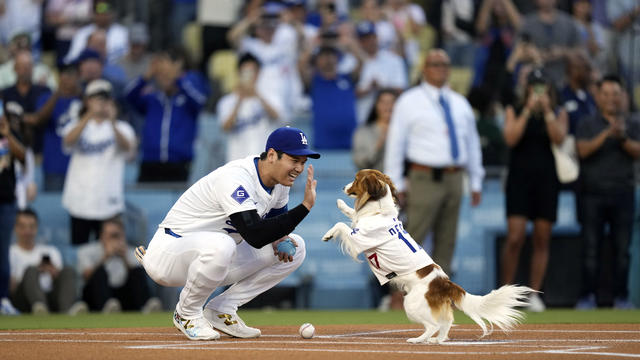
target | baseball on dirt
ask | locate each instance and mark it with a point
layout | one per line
(307, 331)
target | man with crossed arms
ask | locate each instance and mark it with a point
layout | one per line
(199, 245)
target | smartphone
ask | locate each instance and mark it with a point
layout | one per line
(539, 89)
(46, 259)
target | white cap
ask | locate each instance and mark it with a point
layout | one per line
(98, 87)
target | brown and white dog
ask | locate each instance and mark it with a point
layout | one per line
(394, 256)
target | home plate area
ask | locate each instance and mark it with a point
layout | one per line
(334, 342)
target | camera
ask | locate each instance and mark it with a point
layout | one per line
(46, 259)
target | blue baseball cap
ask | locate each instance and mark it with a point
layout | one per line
(365, 28)
(291, 141)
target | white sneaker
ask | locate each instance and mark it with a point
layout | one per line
(152, 305)
(39, 308)
(78, 307)
(195, 329)
(231, 324)
(535, 303)
(112, 306)
(7, 308)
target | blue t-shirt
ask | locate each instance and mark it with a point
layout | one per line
(54, 161)
(334, 111)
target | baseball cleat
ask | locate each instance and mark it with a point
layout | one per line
(195, 329)
(231, 324)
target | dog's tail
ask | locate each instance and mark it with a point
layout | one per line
(497, 307)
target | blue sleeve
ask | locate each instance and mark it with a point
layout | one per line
(276, 212)
(134, 95)
(196, 90)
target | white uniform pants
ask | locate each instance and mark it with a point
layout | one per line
(202, 261)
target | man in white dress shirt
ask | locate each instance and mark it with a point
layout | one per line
(433, 128)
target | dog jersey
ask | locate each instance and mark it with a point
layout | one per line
(230, 189)
(388, 247)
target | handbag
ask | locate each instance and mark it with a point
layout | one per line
(566, 159)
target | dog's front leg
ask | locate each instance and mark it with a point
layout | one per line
(348, 211)
(339, 229)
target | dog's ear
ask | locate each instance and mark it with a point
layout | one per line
(394, 192)
(376, 188)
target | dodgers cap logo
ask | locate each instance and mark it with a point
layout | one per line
(291, 141)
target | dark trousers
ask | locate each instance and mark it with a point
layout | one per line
(164, 172)
(132, 295)
(615, 210)
(81, 230)
(214, 38)
(60, 298)
(7, 218)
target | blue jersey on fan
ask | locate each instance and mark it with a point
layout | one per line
(54, 161)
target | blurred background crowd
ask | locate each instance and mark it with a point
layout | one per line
(92, 88)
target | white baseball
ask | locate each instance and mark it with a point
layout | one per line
(307, 331)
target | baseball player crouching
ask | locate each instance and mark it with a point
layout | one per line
(199, 244)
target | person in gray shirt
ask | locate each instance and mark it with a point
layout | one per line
(608, 143)
(554, 33)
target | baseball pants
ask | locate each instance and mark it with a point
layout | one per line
(203, 261)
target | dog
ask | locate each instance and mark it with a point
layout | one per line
(394, 256)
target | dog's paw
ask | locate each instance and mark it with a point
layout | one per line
(341, 204)
(328, 236)
(416, 340)
(433, 341)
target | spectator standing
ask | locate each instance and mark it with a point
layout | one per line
(137, 60)
(532, 184)
(171, 109)
(113, 278)
(370, 138)
(408, 19)
(608, 144)
(40, 282)
(333, 98)
(67, 17)
(496, 27)
(371, 11)
(54, 161)
(11, 149)
(576, 96)
(19, 16)
(434, 129)
(457, 31)
(381, 69)
(625, 20)
(554, 33)
(99, 145)
(216, 18)
(26, 93)
(41, 74)
(593, 35)
(117, 36)
(249, 113)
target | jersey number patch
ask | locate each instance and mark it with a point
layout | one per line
(373, 258)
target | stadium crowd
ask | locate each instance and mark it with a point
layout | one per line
(89, 85)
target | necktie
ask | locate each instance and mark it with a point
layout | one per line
(452, 130)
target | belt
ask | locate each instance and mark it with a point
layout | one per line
(427, 168)
(169, 232)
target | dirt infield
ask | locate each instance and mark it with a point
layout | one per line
(331, 342)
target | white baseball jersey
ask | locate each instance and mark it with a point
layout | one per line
(389, 248)
(230, 189)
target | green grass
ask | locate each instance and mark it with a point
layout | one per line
(297, 317)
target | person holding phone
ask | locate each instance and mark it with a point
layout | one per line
(40, 282)
(250, 112)
(532, 184)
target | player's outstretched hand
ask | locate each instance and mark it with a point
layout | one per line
(310, 189)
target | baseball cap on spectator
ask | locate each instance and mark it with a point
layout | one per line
(291, 3)
(272, 9)
(87, 54)
(138, 34)
(99, 87)
(365, 28)
(291, 141)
